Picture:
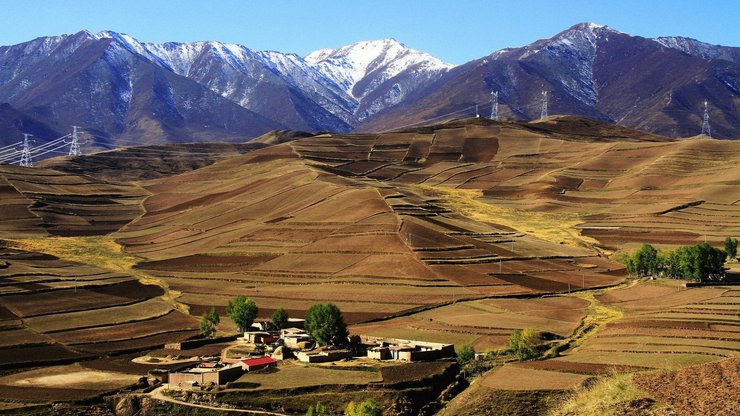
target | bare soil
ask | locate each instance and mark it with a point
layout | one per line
(707, 389)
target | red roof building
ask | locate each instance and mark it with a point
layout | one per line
(253, 364)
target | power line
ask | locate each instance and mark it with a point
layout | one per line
(10, 156)
(51, 150)
(14, 146)
(48, 144)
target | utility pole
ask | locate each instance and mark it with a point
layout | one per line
(543, 112)
(705, 130)
(494, 105)
(74, 147)
(477, 114)
(26, 159)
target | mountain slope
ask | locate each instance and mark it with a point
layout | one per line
(274, 85)
(111, 91)
(14, 123)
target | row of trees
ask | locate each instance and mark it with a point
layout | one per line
(324, 322)
(700, 262)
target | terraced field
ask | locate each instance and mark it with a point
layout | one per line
(663, 326)
(484, 324)
(461, 232)
(53, 310)
(43, 201)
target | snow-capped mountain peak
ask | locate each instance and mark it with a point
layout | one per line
(383, 59)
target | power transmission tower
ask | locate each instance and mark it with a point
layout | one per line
(74, 147)
(26, 159)
(543, 112)
(705, 130)
(494, 105)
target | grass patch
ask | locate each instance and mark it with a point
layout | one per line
(98, 251)
(597, 316)
(608, 396)
(547, 226)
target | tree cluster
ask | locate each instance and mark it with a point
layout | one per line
(324, 321)
(700, 262)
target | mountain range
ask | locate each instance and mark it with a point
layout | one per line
(124, 91)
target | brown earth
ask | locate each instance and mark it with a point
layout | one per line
(707, 389)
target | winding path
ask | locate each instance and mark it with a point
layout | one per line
(158, 394)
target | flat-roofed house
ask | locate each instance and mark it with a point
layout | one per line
(203, 376)
(406, 350)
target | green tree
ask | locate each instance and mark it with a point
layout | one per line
(465, 355)
(243, 311)
(206, 327)
(524, 344)
(367, 407)
(318, 410)
(325, 324)
(212, 316)
(731, 247)
(280, 318)
(208, 322)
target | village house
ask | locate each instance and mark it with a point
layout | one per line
(292, 337)
(268, 326)
(205, 374)
(254, 364)
(260, 337)
(322, 356)
(406, 350)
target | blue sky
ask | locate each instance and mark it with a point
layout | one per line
(455, 31)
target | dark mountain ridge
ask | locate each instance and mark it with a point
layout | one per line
(128, 92)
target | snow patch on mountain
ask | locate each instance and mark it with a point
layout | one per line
(574, 48)
(700, 49)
